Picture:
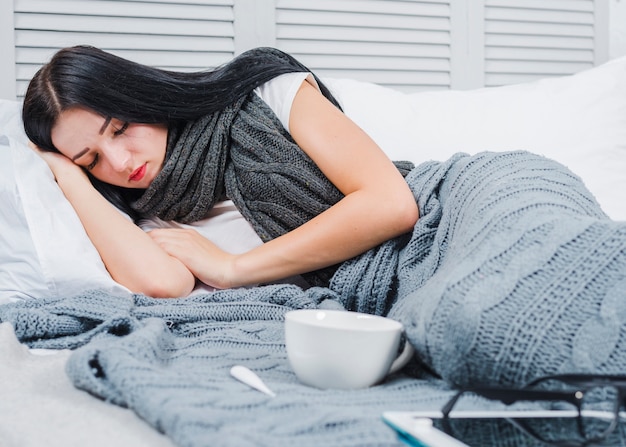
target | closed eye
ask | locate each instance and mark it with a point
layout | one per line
(121, 130)
(93, 164)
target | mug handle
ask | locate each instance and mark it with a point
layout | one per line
(403, 358)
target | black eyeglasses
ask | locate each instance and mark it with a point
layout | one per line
(592, 401)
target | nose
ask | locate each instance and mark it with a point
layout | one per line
(117, 157)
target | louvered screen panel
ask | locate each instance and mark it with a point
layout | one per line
(182, 35)
(531, 39)
(400, 44)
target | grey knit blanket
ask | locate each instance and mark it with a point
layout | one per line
(512, 272)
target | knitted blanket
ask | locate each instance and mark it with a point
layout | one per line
(512, 272)
(169, 361)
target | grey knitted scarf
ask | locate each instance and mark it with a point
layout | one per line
(243, 153)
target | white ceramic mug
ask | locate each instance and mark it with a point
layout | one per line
(343, 350)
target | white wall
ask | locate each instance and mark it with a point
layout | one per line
(617, 24)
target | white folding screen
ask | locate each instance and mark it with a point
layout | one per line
(172, 34)
(405, 44)
(525, 39)
(402, 44)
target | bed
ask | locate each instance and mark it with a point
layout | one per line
(54, 394)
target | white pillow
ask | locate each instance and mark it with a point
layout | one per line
(44, 250)
(21, 275)
(578, 120)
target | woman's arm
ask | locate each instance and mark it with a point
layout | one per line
(378, 205)
(132, 258)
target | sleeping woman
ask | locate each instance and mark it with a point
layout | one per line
(511, 271)
(261, 131)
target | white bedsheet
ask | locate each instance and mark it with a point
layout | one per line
(40, 407)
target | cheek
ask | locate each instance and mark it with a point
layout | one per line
(101, 173)
(157, 143)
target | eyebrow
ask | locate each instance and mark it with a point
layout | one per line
(80, 154)
(107, 120)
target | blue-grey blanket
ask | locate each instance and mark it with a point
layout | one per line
(512, 272)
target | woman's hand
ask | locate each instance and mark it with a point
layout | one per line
(203, 258)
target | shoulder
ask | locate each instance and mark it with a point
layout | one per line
(280, 92)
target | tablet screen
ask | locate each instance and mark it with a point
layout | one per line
(508, 428)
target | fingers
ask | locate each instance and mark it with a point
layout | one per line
(174, 237)
(185, 244)
(202, 257)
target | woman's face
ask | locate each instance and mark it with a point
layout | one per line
(122, 154)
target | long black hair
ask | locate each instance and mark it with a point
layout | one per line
(85, 76)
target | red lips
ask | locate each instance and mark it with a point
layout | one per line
(138, 174)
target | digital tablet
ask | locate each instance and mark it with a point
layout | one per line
(490, 427)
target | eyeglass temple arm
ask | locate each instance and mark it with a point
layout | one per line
(583, 379)
(509, 396)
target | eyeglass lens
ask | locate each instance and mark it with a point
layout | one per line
(592, 416)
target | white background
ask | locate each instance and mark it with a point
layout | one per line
(617, 23)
